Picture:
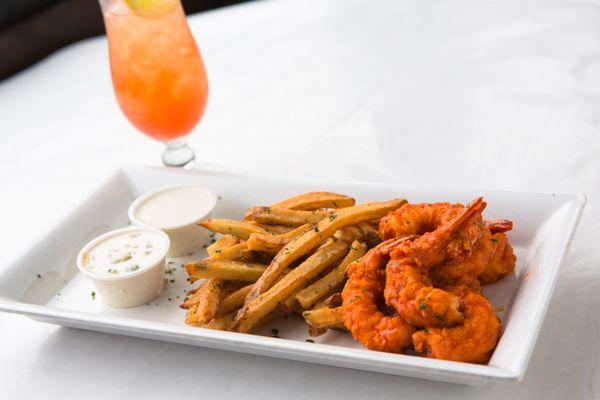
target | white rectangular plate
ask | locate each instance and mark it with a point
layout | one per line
(45, 285)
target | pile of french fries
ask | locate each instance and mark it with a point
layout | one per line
(290, 257)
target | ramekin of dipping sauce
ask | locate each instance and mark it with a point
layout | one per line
(176, 210)
(126, 265)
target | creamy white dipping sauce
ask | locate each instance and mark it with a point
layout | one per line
(175, 207)
(124, 253)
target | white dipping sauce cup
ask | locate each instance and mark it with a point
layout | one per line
(132, 288)
(186, 238)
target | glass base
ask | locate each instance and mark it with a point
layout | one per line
(178, 154)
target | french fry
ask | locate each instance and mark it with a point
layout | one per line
(190, 301)
(240, 229)
(260, 257)
(321, 288)
(302, 229)
(303, 244)
(268, 215)
(225, 269)
(274, 243)
(314, 201)
(277, 229)
(230, 287)
(222, 243)
(222, 323)
(261, 306)
(230, 253)
(348, 234)
(325, 318)
(234, 301)
(267, 243)
(290, 304)
(335, 300)
(208, 297)
(226, 322)
(312, 331)
(370, 234)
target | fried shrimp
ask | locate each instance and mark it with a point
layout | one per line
(491, 259)
(363, 315)
(466, 270)
(417, 219)
(409, 288)
(471, 341)
(499, 225)
(432, 280)
(502, 261)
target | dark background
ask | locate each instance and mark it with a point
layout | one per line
(32, 29)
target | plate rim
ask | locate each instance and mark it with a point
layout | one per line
(470, 370)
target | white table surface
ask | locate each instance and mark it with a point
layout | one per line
(495, 94)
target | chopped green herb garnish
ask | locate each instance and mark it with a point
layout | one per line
(134, 268)
(309, 341)
(93, 295)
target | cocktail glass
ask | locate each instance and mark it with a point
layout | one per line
(157, 71)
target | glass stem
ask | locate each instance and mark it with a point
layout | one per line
(178, 154)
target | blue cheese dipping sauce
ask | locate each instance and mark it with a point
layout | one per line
(125, 253)
(176, 210)
(126, 265)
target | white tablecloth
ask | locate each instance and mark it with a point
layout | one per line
(495, 94)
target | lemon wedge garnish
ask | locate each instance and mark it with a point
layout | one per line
(151, 8)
